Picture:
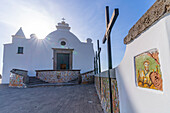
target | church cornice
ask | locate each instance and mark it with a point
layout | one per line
(62, 49)
(158, 10)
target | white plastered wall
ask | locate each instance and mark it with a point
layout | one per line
(38, 54)
(134, 99)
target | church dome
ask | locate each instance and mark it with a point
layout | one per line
(62, 34)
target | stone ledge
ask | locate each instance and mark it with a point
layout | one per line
(58, 70)
(87, 72)
(158, 10)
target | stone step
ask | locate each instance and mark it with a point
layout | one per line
(37, 83)
(50, 85)
(35, 80)
(74, 81)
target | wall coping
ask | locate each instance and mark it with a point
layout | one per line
(56, 70)
(105, 74)
(63, 49)
(19, 70)
(87, 72)
(14, 71)
(155, 13)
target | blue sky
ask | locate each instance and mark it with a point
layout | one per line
(85, 17)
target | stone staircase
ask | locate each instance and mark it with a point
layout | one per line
(83, 78)
(74, 81)
(35, 80)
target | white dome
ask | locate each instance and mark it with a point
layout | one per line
(62, 32)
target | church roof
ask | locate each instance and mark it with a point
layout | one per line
(62, 32)
(63, 26)
(19, 34)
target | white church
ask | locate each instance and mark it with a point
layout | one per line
(59, 50)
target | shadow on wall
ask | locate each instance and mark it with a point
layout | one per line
(126, 105)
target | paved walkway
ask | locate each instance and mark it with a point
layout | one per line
(63, 99)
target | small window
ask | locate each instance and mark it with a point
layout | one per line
(63, 43)
(20, 50)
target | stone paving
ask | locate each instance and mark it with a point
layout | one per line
(63, 99)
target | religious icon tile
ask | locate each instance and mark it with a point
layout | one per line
(148, 70)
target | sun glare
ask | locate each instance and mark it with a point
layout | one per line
(38, 27)
(35, 22)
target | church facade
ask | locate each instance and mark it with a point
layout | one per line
(59, 50)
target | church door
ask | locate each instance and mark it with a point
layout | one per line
(63, 61)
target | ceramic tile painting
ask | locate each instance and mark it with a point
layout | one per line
(104, 95)
(16, 81)
(87, 78)
(57, 76)
(148, 70)
(115, 96)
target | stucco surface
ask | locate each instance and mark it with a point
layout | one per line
(134, 99)
(38, 53)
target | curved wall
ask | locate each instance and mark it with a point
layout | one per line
(134, 99)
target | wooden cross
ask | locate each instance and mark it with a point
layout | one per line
(98, 55)
(96, 63)
(109, 25)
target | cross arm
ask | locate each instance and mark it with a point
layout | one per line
(99, 48)
(111, 23)
(96, 56)
(99, 52)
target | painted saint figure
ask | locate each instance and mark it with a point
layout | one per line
(148, 70)
(144, 78)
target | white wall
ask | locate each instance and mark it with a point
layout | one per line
(38, 53)
(134, 99)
